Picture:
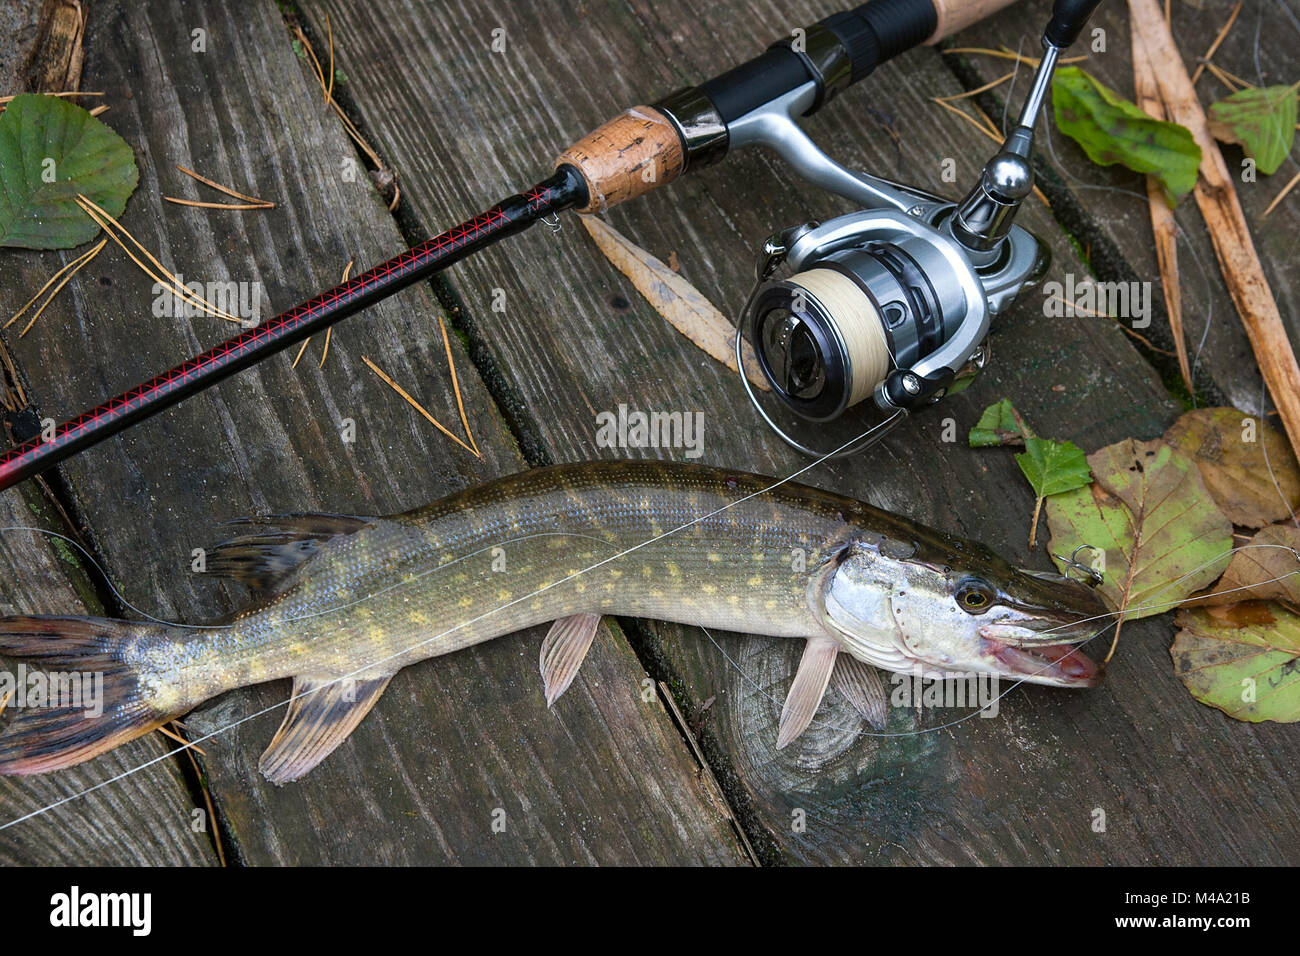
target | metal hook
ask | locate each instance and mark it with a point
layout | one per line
(553, 220)
(1072, 563)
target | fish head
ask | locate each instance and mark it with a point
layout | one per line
(947, 607)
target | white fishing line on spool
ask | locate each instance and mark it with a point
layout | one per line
(860, 326)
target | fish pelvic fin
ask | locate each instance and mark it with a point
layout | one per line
(274, 546)
(321, 715)
(860, 684)
(564, 650)
(80, 695)
(806, 691)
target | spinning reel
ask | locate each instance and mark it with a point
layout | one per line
(888, 307)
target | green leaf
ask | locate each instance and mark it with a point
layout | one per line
(1158, 535)
(1248, 671)
(1262, 120)
(1112, 130)
(47, 138)
(999, 425)
(1053, 467)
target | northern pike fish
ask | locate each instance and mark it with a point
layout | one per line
(344, 602)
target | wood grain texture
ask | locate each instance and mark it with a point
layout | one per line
(635, 152)
(1217, 199)
(1115, 227)
(1170, 774)
(602, 777)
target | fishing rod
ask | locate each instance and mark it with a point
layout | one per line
(926, 273)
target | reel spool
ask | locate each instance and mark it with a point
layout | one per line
(880, 311)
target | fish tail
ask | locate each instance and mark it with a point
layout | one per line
(75, 692)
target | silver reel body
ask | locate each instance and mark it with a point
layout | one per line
(892, 303)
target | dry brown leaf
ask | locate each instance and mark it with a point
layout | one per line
(1236, 471)
(1268, 569)
(689, 312)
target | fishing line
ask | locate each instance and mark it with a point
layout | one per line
(370, 666)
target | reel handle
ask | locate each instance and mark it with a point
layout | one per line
(647, 146)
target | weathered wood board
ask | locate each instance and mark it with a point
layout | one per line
(603, 777)
(1109, 216)
(464, 124)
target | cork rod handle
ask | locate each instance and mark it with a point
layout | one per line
(627, 157)
(956, 15)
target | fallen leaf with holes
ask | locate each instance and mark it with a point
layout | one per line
(1267, 569)
(1160, 533)
(1240, 458)
(1248, 670)
(689, 312)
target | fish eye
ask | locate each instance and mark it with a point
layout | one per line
(974, 595)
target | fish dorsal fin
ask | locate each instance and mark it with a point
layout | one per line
(806, 692)
(860, 684)
(320, 717)
(563, 652)
(275, 545)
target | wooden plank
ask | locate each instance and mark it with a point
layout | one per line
(1114, 223)
(603, 777)
(143, 819)
(463, 124)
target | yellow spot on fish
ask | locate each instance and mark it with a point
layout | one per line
(466, 601)
(709, 588)
(733, 599)
(673, 569)
(714, 557)
(503, 594)
(755, 581)
(416, 617)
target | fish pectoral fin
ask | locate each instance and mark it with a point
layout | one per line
(563, 652)
(806, 692)
(321, 715)
(275, 545)
(860, 684)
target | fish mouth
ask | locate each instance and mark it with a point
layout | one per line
(1031, 659)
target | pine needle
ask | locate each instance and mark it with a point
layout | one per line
(76, 267)
(168, 732)
(10, 98)
(1223, 32)
(1009, 55)
(219, 205)
(30, 302)
(347, 271)
(329, 91)
(186, 294)
(975, 92)
(455, 385)
(987, 131)
(302, 348)
(254, 202)
(5, 702)
(98, 110)
(1282, 195)
(416, 405)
